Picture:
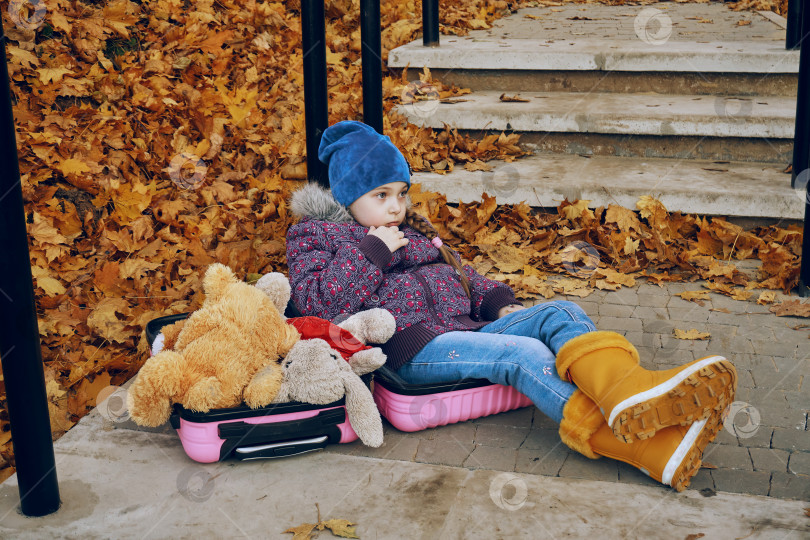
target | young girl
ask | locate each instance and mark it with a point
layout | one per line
(359, 246)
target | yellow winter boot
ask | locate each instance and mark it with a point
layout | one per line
(637, 402)
(672, 457)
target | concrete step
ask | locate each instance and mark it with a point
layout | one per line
(758, 190)
(606, 65)
(634, 124)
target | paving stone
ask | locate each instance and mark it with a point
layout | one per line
(578, 466)
(543, 439)
(500, 436)
(541, 421)
(351, 448)
(728, 457)
(742, 360)
(773, 348)
(616, 310)
(703, 479)
(670, 341)
(727, 437)
(462, 431)
(675, 357)
(491, 457)
(736, 344)
(517, 418)
(534, 461)
(799, 463)
(688, 314)
(745, 379)
(760, 437)
(591, 309)
(755, 332)
(790, 486)
(769, 459)
(766, 375)
(618, 324)
(648, 289)
(634, 337)
(721, 301)
(777, 415)
(733, 319)
(788, 334)
(739, 481)
(793, 440)
(651, 313)
(800, 400)
(720, 330)
(626, 296)
(443, 452)
(652, 300)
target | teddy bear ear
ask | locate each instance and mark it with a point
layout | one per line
(277, 287)
(217, 277)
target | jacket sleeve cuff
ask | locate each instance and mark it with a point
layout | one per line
(494, 300)
(376, 251)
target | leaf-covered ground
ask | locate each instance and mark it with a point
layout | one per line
(156, 137)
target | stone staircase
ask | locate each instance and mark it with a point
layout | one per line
(680, 101)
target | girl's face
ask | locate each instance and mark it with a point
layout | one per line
(383, 206)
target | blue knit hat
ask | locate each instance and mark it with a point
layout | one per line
(359, 160)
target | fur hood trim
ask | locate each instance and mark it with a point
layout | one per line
(316, 202)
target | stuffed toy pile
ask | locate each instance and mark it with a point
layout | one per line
(238, 347)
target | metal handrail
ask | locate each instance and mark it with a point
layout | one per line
(801, 140)
(20, 348)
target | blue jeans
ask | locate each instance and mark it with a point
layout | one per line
(518, 350)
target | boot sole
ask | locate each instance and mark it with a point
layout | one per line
(694, 394)
(690, 464)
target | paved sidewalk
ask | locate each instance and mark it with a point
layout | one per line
(770, 454)
(124, 483)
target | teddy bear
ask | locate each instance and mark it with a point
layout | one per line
(328, 361)
(194, 360)
(226, 352)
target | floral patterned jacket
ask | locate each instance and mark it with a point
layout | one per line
(336, 270)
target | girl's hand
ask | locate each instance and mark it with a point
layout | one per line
(511, 308)
(392, 236)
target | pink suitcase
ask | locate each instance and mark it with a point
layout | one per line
(278, 430)
(411, 407)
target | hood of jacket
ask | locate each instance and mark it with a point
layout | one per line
(316, 202)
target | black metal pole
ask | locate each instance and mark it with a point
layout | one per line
(316, 98)
(793, 31)
(430, 23)
(371, 54)
(801, 145)
(26, 400)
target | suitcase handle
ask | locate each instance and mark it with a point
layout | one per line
(281, 449)
(282, 430)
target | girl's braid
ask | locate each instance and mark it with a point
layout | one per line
(416, 221)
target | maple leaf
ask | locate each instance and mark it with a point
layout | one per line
(766, 297)
(577, 210)
(339, 527)
(791, 308)
(691, 334)
(694, 296)
(303, 531)
(48, 74)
